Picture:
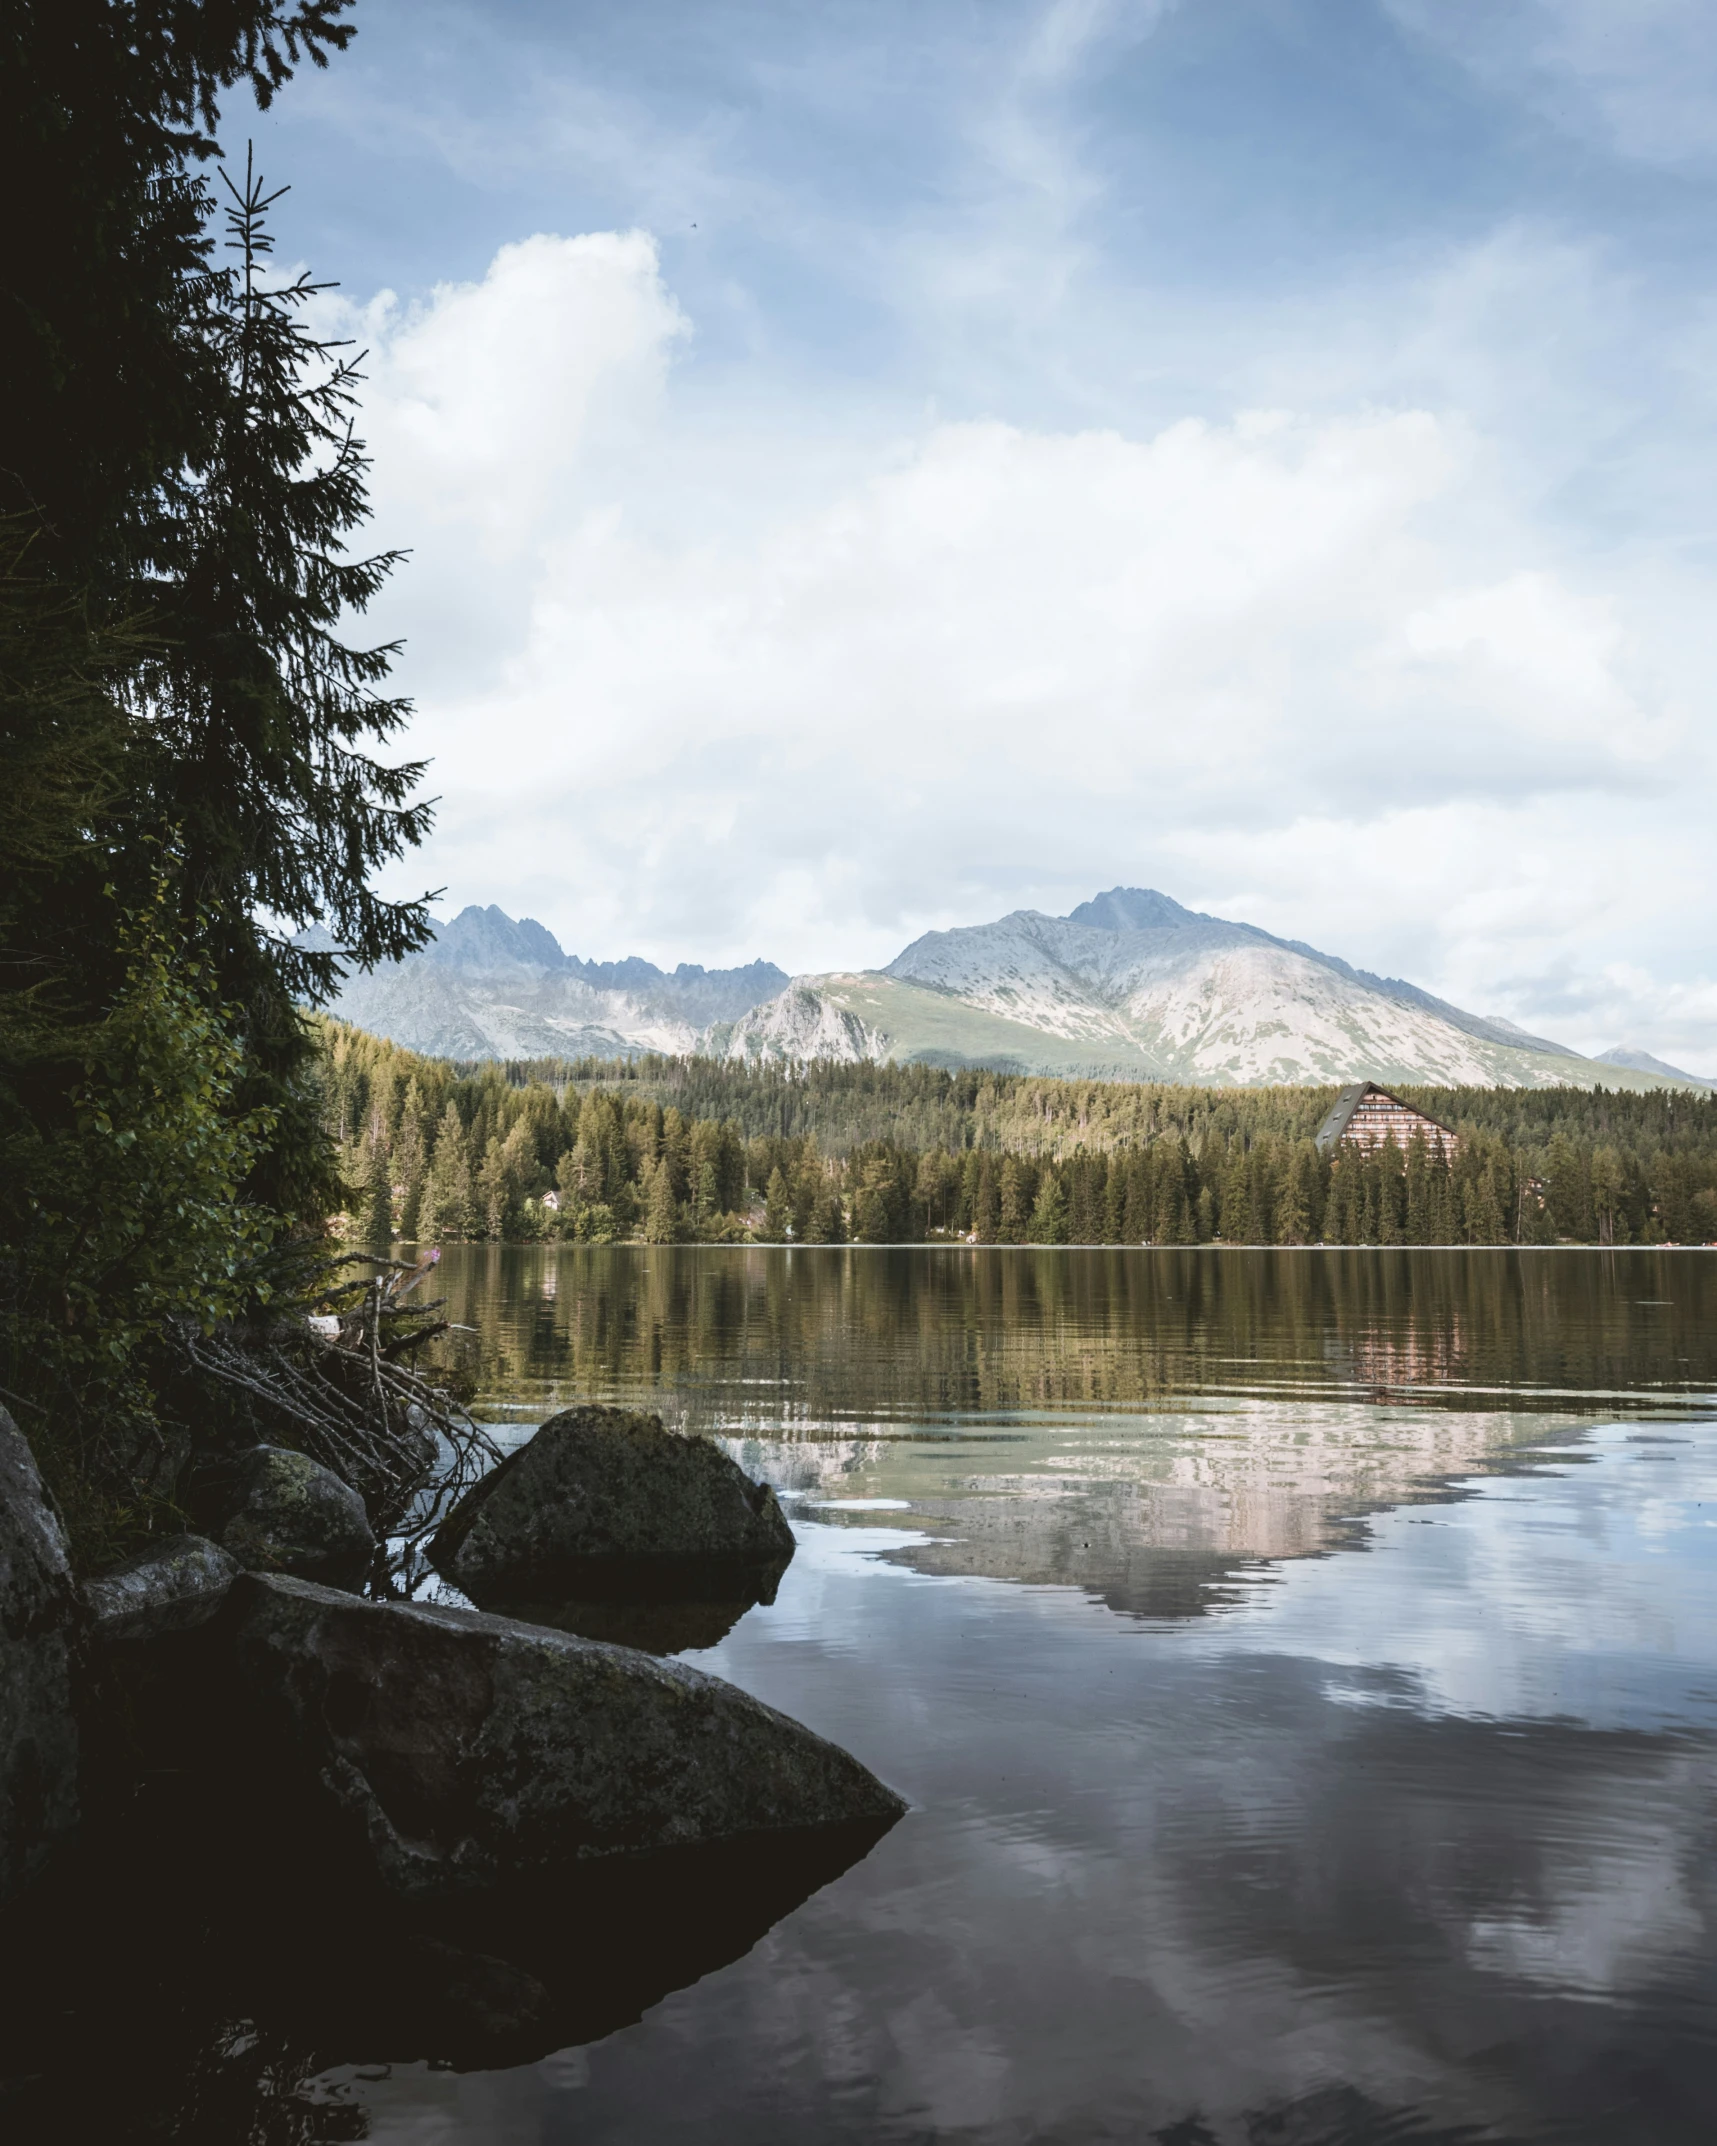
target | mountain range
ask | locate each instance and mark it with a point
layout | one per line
(1129, 986)
(487, 987)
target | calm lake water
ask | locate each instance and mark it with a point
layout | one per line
(1302, 1667)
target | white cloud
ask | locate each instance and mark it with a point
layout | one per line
(484, 396)
(685, 700)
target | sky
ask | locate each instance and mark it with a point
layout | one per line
(868, 468)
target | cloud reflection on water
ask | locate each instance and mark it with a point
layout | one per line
(1263, 1869)
(1290, 1767)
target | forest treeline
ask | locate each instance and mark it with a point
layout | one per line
(698, 1150)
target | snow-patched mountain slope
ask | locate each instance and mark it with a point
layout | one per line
(1207, 1001)
(904, 1022)
(1132, 983)
(815, 1017)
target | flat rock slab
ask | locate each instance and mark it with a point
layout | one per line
(605, 1502)
(466, 1750)
(172, 1587)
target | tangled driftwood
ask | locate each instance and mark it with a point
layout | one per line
(334, 1378)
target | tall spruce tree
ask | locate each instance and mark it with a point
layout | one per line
(410, 1162)
(178, 477)
(378, 1184)
(259, 717)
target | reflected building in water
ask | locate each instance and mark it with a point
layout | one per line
(1023, 1403)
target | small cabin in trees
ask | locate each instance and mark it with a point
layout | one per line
(1365, 1116)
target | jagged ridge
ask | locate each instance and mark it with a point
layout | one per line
(1130, 985)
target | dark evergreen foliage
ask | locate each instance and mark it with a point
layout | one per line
(186, 738)
(891, 1154)
(108, 111)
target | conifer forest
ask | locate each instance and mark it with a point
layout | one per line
(700, 1151)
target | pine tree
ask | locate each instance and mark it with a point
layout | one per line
(881, 1198)
(1049, 1214)
(778, 1207)
(1235, 1211)
(1018, 1188)
(1263, 1175)
(491, 1189)
(1533, 1221)
(1417, 1224)
(1082, 1190)
(674, 1152)
(816, 1205)
(1179, 1218)
(1293, 1218)
(1609, 1193)
(987, 1209)
(930, 1192)
(828, 1219)
(449, 1195)
(1116, 1188)
(260, 716)
(661, 1210)
(378, 1185)
(1677, 1217)
(1441, 1214)
(1483, 1215)
(1141, 1220)
(409, 1163)
(1344, 1218)
(705, 1148)
(1568, 1189)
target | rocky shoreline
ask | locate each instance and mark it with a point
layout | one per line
(215, 1726)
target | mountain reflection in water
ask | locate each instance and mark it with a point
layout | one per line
(1302, 1667)
(1032, 1407)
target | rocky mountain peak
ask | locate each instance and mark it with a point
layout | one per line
(488, 942)
(1134, 909)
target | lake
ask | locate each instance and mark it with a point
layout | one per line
(1302, 1667)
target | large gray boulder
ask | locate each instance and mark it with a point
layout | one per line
(39, 1618)
(460, 1750)
(605, 1502)
(173, 1586)
(280, 1511)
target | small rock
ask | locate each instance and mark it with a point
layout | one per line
(38, 1621)
(604, 1502)
(284, 1512)
(170, 1588)
(459, 1750)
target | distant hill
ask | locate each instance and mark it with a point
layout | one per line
(1130, 986)
(1644, 1062)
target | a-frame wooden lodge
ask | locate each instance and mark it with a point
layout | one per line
(1366, 1116)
